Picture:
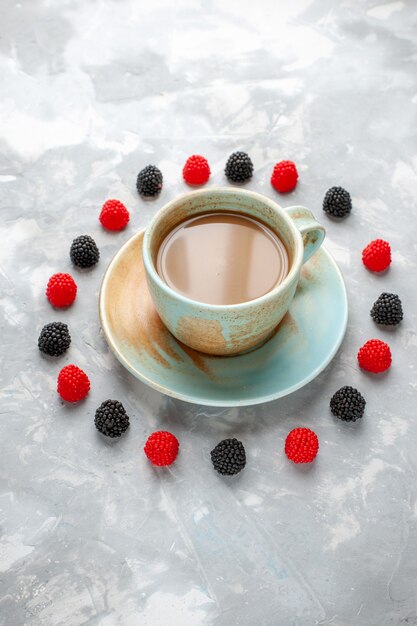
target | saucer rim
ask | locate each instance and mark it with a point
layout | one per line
(207, 401)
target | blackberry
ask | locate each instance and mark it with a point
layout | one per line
(111, 418)
(228, 457)
(348, 404)
(239, 167)
(387, 310)
(54, 339)
(149, 181)
(84, 252)
(337, 202)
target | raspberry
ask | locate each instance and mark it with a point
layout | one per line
(161, 448)
(149, 181)
(196, 170)
(111, 418)
(377, 255)
(229, 457)
(73, 384)
(387, 310)
(375, 356)
(84, 252)
(301, 445)
(348, 404)
(239, 167)
(114, 215)
(61, 290)
(284, 176)
(337, 202)
(54, 339)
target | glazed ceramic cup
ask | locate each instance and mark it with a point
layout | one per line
(232, 328)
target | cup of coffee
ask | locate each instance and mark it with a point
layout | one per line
(223, 265)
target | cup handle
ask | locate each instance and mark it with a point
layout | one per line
(312, 232)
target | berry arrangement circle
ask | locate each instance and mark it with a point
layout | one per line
(228, 456)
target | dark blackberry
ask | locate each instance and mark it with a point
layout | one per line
(149, 181)
(84, 252)
(387, 310)
(111, 418)
(54, 339)
(239, 167)
(337, 202)
(228, 457)
(348, 404)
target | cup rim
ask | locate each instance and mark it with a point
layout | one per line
(151, 269)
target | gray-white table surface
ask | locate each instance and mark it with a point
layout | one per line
(90, 533)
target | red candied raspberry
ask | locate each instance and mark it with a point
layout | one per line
(284, 176)
(377, 255)
(61, 290)
(114, 215)
(375, 356)
(301, 445)
(161, 448)
(73, 384)
(196, 170)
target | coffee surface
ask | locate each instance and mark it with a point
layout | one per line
(222, 258)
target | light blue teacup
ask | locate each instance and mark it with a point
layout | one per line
(236, 328)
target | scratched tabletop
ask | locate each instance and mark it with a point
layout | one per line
(91, 533)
